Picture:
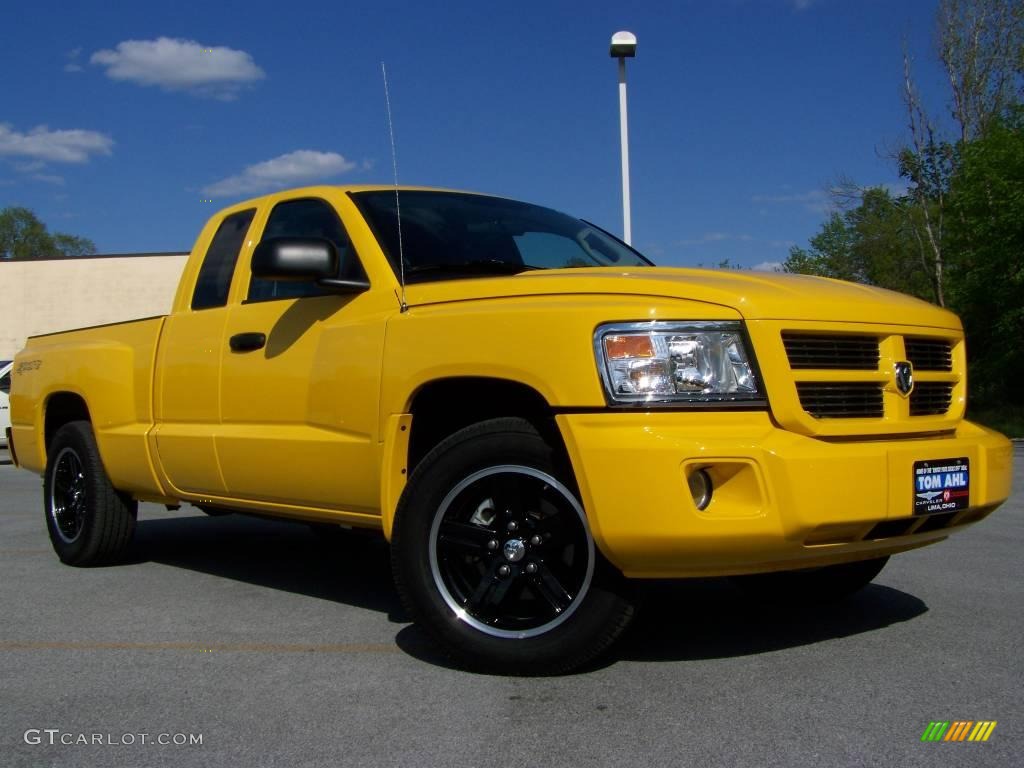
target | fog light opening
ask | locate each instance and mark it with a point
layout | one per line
(700, 488)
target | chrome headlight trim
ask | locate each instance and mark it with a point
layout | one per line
(755, 400)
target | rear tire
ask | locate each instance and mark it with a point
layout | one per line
(814, 586)
(88, 520)
(492, 555)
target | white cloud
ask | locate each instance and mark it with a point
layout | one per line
(768, 266)
(304, 166)
(822, 201)
(792, 197)
(816, 201)
(69, 146)
(180, 65)
(759, 243)
(72, 56)
(716, 237)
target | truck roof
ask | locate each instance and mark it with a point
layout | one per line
(346, 188)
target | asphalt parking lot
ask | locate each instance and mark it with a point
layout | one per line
(278, 647)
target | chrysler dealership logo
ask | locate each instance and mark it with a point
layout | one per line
(904, 377)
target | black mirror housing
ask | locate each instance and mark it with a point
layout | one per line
(293, 259)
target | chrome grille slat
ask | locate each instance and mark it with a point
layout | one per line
(831, 352)
(841, 400)
(931, 398)
(929, 354)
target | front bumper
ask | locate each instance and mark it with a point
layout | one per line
(781, 500)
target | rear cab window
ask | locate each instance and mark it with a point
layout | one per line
(218, 266)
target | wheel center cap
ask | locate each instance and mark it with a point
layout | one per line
(514, 550)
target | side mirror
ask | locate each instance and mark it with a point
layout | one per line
(285, 258)
(297, 259)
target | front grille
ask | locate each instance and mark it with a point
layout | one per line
(841, 400)
(905, 526)
(818, 351)
(931, 398)
(843, 373)
(889, 528)
(936, 522)
(929, 354)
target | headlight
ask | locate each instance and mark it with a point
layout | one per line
(675, 362)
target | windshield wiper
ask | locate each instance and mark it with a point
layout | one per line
(479, 266)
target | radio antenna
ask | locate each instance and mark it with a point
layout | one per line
(398, 205)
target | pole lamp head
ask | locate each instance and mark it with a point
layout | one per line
(623, 45)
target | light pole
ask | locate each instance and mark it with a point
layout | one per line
(623, 47)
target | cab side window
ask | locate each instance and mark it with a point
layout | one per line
(219, 265)
(5, 383)
(309, 217)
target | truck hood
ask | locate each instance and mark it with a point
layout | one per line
(755, 295)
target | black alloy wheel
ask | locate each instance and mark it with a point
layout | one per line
(493, 555)
(89, 521)
(510, 551)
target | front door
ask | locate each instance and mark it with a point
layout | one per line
(299, 412)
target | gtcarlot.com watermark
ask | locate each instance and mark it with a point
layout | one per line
(58, 737)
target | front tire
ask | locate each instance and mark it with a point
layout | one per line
(88, 520)
(493, 556)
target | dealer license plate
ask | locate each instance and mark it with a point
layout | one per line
(942, 485)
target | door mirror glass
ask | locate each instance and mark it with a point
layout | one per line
(288, 258)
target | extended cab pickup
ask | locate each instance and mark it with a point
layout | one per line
(530, 411)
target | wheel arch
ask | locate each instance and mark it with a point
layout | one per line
(440, 408)
(61, 408)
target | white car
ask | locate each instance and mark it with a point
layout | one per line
(5, 400)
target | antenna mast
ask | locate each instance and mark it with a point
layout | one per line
(398, 205)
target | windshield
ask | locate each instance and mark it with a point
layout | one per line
(448, 235)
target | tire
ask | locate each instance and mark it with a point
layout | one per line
(89, 521)
(814, 586)
(492, 555)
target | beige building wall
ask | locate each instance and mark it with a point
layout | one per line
(60, 294)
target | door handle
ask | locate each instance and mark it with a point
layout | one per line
(248, 342)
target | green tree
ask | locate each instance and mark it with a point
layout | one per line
(981, 47)
(24, 236)
(956, 236)
(830, 253)
(987, 231)
(72, 245)
(981, 51)
(873, 242)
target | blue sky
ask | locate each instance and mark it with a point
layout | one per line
(120, 121)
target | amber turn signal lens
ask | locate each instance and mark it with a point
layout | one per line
(620, 347)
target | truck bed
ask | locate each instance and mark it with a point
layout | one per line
(108, 370)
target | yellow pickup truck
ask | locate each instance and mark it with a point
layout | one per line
(530, 411)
